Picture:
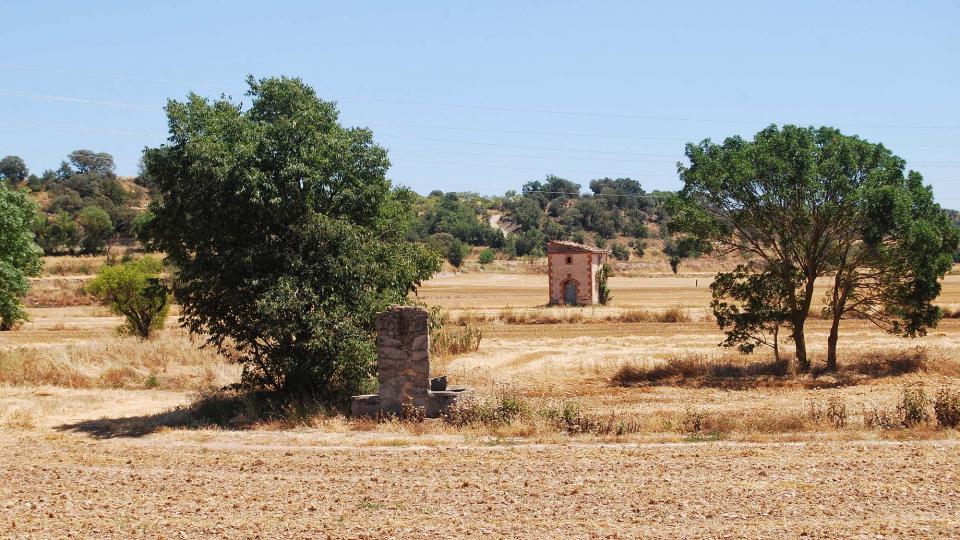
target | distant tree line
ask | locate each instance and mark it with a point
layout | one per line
(552, 209)
(83, 204)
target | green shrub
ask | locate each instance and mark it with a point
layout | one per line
(605, 296)
(620, 252)
(487, 256)
(456, 251)
(97, 228)
(135, 291)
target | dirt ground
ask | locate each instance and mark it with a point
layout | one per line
(59, 485)
(81, 460)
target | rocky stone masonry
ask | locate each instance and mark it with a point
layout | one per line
(403, 367)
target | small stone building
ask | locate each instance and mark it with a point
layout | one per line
(573, 271)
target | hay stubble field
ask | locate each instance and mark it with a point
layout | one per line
(92, 446)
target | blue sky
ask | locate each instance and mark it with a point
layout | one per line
(485, 96)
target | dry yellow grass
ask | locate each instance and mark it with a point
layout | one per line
(554, 448)
(171, 361)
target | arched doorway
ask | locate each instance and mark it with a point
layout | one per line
(570, 292)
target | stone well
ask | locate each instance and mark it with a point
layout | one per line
(403, 368)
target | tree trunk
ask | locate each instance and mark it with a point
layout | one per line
(800, 343)
(776, 344)
(799, 319)
(832, 343)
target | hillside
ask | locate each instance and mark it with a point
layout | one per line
(617, 214)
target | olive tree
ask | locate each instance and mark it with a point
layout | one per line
(19, 253)
(286, 235)
(805, 203)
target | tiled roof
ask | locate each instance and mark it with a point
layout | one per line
(563, 246)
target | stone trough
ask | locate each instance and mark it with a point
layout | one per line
(403, 369)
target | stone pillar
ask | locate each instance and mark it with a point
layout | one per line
(403, 346)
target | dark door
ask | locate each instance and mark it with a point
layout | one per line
(570, 292)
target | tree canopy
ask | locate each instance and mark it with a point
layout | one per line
(19, 253)
(286, 235)
(803, 203)
(83, 190)
(13, 169)
(135, 291)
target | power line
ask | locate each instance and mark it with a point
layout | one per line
(55, 127)
(114, 76)
(66, 99)
(493, 108)
(577, 158)
(597, 135)
(942, 164)
(529, 132)
(537, 169)
(635, 116)
(554, 148)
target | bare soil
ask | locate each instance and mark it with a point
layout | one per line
(67, 486)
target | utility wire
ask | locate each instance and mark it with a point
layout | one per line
(114, 76)
(500, 108)
(66, 99)
(527, 156)
(554, 148)
(537, 169)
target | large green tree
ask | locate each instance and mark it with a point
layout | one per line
(97, 228)
(285, 233)
(19, 253)
(13, 169)
(801, 204)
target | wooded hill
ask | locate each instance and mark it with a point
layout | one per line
(616, 213)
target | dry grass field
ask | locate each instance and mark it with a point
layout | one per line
(577, 434)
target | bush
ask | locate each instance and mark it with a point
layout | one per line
(604, 294)
(639, 247)
(946, 408)
(451, 341)
(135, 291)
(678, 370)
(834, 412)
(887, 364)
(97, 227)
(487, 256)
(500, 410)
(620, 252)
(913, 407)
(456, 251)
(568, 418)
(881, 418)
